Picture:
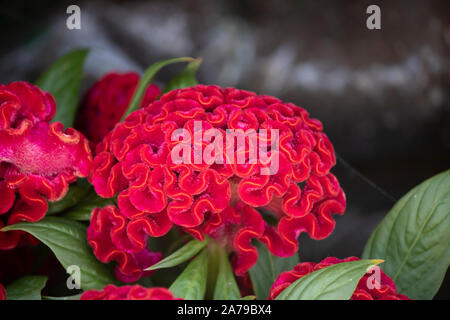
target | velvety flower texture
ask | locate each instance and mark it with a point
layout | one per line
(386, 291)
(38, 159)
(136, 292)
(106, 101)
(134, 163)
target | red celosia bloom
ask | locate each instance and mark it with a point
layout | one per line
(219, 200)
(106, 101)
(2, 292)
(136, 292)
(107, 234)
(385, 290)
(38, 159)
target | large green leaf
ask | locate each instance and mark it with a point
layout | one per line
(264, 273)
(62, 79)
(83, 210)
(26, 288)
(185, 78)
(336, 282)
(414, 239)
(67, 239)
(191, 283)
(147, 77)
(73, 196)
(183, 254)
(226, 286)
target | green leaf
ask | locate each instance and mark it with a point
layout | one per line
(62, 79)
(73, 196)
(26, 288)
(226, 286)
(336, 282)
(191, 283)
(185, 78)
(175, 241)
(264, 273)
(414, 239)
(68, 241)
(183, 254)
(148, 76)
(83, 210)
(248, 298)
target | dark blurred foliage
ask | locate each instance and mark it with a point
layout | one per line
(383, 95)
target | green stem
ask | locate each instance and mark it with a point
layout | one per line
(214, 255)
(147, 77)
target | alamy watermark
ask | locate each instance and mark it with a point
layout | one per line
(74, 279)
(227, 147)
(374, 280)
(373, 22)
(73, 21)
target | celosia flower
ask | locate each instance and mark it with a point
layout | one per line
(136, 292)
(383, 289)
(106, 101)
(107, 234)
(38, 159)
(2, 292)
(135, 163)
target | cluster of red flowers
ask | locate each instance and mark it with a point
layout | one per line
(383, 290)
(225, 200)
(38, 159)
(134, 163)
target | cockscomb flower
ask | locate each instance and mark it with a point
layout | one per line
(136, 292)
(139, 162)
(38, 159)
(108, 236)
(106, 101)
(383, 289)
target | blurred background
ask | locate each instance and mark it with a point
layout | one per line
(383, 95)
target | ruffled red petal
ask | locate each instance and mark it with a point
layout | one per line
(38, 159)
(136, 292)
(114, 237)
(252, 227)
